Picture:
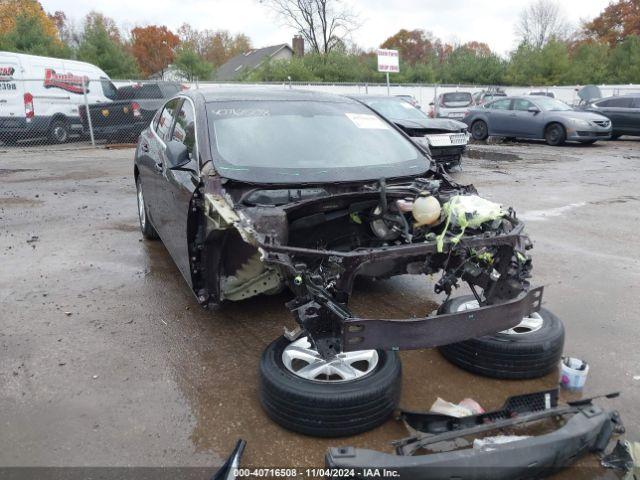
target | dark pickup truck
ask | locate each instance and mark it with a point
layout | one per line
(130, 112)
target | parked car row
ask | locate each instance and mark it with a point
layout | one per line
(537, 117)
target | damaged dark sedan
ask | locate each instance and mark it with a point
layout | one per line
(446, 139)
(255, 191)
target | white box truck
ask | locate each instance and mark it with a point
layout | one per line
(40, 96)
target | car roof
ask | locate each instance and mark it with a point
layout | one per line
(626, 95)
(230, 94)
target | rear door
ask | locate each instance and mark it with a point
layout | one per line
(499, 115)
(11, 93)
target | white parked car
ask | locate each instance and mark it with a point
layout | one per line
(40, 96)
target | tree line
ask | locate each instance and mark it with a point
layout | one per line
(605, 49)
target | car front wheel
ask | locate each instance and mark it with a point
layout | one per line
(555, 134)
(351, 393)
(146, 228)
(58, 131)
(479, 130)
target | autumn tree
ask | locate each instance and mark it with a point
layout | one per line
(101, 45)
(220, 46)
(154, 48)
(28, 36)
(414, 46)
(25, 27)
(616, 22)
(540, 22)
(322, 23)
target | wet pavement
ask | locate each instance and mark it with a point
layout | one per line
(107, 360)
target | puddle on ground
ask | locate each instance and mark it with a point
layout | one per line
(218, 375)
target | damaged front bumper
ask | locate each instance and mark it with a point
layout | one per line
(334, 328)
(588, 429)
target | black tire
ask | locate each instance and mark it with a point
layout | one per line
(479, 130)
(324, 409)
(58, 131)
(148, 231)
(589, 142)
(555, 134)
(524, 356)
(615, 136)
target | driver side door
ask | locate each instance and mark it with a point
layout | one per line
(178, 186)
(523, 122)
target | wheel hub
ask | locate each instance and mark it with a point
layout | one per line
(302, 360)
(527, 325)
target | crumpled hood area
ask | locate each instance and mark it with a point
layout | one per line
(432, 123)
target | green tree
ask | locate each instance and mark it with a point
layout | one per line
(101, 46)
(624, 63)
(29, 36)
(548, 65)
(589, 63)
(473, 63)
(191, 65)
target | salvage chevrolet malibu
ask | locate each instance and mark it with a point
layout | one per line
(253, 191)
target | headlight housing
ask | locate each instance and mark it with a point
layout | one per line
(580, 122)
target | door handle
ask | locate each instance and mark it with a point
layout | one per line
(513, 115)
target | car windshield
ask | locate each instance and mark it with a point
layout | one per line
(551, 104)
(307, 142)
(395, 109)
(456, 99)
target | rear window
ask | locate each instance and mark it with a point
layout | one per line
(457, 99)
(140, 92)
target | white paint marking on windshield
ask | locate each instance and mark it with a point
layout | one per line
(366, 120)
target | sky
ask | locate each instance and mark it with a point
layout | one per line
(454, 21)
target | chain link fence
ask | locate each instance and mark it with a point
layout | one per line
(72, 111)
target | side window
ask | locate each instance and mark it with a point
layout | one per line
(501, 104)
(166, 116)
(184, 129)
(522, 105)
(620, 102)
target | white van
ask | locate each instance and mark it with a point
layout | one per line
(40, 96)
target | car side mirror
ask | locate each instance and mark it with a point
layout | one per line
(177, 154)
(533, 110)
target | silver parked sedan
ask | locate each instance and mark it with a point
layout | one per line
(538, 118)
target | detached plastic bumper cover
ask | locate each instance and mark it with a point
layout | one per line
(588, 430)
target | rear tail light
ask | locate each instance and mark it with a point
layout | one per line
(29, 112)
(136, 109)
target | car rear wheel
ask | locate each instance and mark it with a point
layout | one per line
(146, 228)
(58, 131)
(531, 349)
(351, 393)
(479, 130)
(555, 134)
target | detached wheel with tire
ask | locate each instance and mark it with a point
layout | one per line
(555, 134)
(479, 130)
(352, 393)
(58, 131)
(531, 349)
(146, 228)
